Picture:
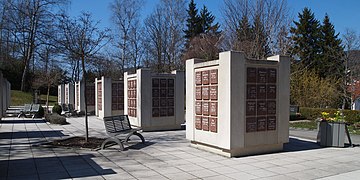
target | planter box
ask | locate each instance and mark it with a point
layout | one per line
(331, 134)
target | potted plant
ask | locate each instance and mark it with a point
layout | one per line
(331, 129)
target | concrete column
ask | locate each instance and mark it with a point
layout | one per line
(179, 96)
(1, 93)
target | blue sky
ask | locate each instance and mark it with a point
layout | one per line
(343, 13)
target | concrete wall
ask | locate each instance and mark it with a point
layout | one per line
(5, 95)
(79, 90)
(239, 127)
(158, 106)
(104, 108)
(69, 94)
(61, 94)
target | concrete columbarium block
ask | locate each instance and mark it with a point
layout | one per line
(69, 94)
(236, 106)
(61, 94)
(155, 101)
(109, 97)
(80, 96)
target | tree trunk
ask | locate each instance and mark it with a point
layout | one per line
(85, 98)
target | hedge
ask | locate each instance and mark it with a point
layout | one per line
(351, 116)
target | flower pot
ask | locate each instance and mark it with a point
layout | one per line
(331, 134)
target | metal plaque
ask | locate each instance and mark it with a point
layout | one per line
(170, 92)
(163, 92)
(155, 93)
(271, 107)
(205, 77)
(155, 82)
(171, 102)
(170, 112)
(205, 123)
(155, 112)
(213, 93)
(251, 75)
(163, 111)
(205, 92)
(163, 102)
(271, 92)
(251, 124)
(251, 91)
(272, 75)
(205, 108)
(213, 108)
(214, 76)
(261, 123)
(198, 78)
(163, 83)
(262, 75)
(213, 124)
(198, 122)
(261, 91)
(261, 108)
(155, 102)
(250, 108)
(271, 123)
(198, 93)
(198, 107)
(171, 82)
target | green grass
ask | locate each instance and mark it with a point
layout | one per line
(312, 125)
(19, 98)
(304, 125)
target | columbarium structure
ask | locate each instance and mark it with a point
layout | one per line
(155, 101)
(69, 94)
(61, 94)
(109, 97)
(80, 96)
(5, 95)
(237, 106)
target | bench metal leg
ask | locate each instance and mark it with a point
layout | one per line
(112, 139)
(136, 134)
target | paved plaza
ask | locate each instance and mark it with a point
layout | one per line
(166, 155)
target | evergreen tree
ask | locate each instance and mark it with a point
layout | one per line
(305, 36)
(331, 51)
(192, 22)
(206, 22)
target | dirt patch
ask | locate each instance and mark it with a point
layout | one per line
(79, 142)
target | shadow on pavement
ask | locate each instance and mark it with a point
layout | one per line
(61, 167)
(21, 121)
(31, 134)
(300, 145)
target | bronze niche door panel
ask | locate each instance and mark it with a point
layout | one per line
(213, 124)
(251, 124)
(205, 123)
(214, 76)
(198, 124)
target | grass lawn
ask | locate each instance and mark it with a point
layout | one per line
(19, 98)
(312, 125)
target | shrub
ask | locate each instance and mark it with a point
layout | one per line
(40, 114)
(57, 109)
(55, 118)
(351, 116)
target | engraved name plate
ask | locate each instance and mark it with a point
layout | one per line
(251, 124)
(261, 123)
(214, 76)
(213, 124)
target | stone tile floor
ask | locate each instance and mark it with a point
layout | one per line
(166, 155)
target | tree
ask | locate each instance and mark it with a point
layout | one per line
(244, 36)
(260, 43)
(206, 22)
(192, 23)
(81, 39)
(306, 36)
(274, 15)
(27, 21)
(331, 51)
(164, 35)
(126, 15)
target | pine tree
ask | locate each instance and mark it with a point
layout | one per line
(331, 51)
(206, 22)
(305, 36)
(192, 22)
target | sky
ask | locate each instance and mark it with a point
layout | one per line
(344, 14)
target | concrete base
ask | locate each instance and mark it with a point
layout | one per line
(253, 150)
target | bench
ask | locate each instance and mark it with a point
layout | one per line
(29, 109)
(119, 125)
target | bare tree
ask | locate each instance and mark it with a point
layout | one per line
(126, 16)
(27, 20)
(164, 34)
(272, 14)
(82, 40)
